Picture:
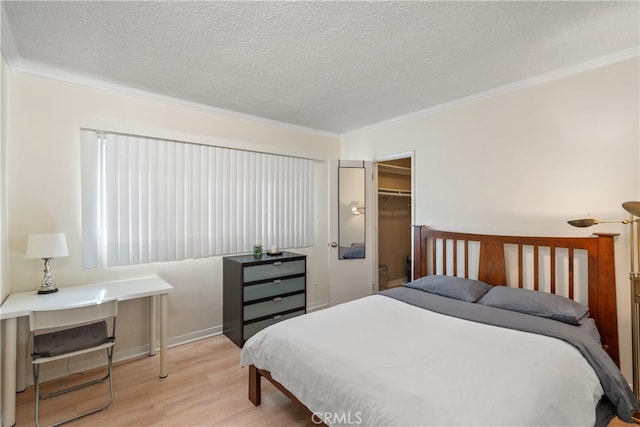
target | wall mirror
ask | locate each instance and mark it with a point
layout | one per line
(351, 214)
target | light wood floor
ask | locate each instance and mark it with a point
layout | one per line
(206, 387)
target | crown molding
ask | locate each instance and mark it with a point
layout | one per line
(511, 87)
(44, 71)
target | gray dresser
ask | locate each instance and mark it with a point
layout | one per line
(261, 291)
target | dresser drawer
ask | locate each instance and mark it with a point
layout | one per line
(273, 270)
(275, 288)
(273, 306)
(252, 328)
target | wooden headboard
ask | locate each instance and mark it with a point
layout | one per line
(430, 245)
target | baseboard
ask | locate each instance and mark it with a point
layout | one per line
(318, 305)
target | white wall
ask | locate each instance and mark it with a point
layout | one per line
(525, 162)
(43, 172)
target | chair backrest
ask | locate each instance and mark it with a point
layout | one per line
(76, 315)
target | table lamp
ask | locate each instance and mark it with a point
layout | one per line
(46, 246)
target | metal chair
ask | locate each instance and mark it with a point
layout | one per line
(67, 332)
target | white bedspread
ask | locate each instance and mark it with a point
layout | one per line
(379, 361)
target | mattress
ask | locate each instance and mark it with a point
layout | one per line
(381, 361)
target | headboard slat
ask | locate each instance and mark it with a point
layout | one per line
(536, 267)
(520, 267)
(552, 281)
(455, 256)
(572, 282)
(466, 258)
(434, 251)
(444, 258)
(492, 266)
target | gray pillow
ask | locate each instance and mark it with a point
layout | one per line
(459, 288)
(536, 303)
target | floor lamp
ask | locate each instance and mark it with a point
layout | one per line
(633, 208)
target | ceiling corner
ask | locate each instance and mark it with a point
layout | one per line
(8, 46)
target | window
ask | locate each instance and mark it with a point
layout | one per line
(147, 199)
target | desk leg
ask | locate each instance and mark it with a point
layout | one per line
(9, 374)
(163, 336)
(22, 340)
(152, 325)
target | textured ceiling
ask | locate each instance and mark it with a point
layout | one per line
(328, 66)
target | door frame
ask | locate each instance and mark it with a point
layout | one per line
(395, 156)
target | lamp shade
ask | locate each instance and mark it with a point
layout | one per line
(46, 245)
(587, 222)
(632, 207)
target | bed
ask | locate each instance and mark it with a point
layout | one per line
(487, 333)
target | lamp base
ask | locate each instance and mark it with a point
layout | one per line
(47, 286)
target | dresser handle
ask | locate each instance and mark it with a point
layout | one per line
(277, 316)
(275, 282)
(277, 263)
(276, 299)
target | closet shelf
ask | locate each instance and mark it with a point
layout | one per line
(394, 192)
(393, 169)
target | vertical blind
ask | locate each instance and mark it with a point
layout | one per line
(146, 200)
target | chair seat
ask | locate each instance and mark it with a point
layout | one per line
(70, 340)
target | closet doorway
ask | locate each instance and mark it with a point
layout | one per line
(394, 218)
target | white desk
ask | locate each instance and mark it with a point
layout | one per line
(21, 303)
